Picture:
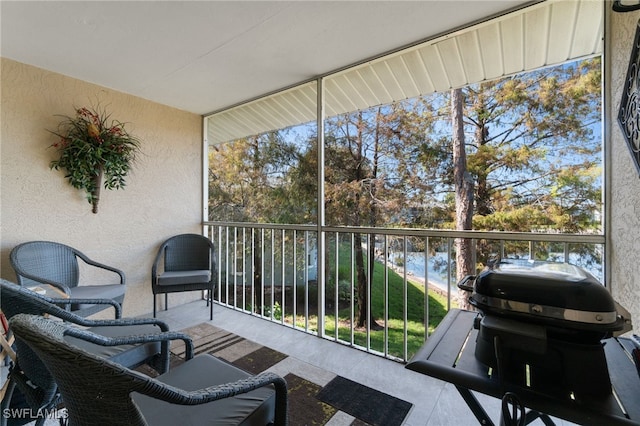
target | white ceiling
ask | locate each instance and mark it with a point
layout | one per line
(203, 56)
(544, 34)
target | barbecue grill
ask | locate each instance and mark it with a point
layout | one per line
(543, 326)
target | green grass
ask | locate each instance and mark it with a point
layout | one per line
(395, 311)
(414, 314)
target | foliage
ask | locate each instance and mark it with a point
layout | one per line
(533, 157)
(91, 144)
(253, 180)
(533, 148)
(276, 312)
(533, 151)
(344, 291)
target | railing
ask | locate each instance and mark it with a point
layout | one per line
(271, 271)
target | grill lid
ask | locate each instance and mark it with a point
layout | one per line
(558, 294)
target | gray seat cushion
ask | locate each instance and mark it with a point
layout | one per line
(112, 291)
(127, 355)
(254, 408)
(184, 277)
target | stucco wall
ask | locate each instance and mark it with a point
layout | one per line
(624, 238)
(163, 193)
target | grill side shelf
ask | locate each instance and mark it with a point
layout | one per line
(626, 384)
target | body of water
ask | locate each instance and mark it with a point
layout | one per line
(437, 267)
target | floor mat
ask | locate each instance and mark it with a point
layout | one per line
(367, 404)
(304, 406)
(259, 360)
(309, 403)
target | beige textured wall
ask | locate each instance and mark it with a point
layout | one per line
(624, 238)
(163, 193)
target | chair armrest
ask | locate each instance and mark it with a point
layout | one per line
(163, 365)
(163, 327)
(61, 286)
(70, 301)
(156, 262)
(134, 339)
(78, 320)
(91, 262)
(38, 303)
(226, 390)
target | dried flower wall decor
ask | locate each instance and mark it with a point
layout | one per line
(94, 148)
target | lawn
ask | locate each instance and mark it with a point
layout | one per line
(414, 310)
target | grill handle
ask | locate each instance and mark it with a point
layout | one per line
(466, 283)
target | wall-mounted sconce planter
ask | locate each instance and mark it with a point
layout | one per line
(629, 111)
(95, 151)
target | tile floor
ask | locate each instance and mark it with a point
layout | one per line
(435, 403)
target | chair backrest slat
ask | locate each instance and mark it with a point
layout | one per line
(46, 260)
(188, 252)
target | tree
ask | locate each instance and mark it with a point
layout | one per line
(347, 195)
(529, 130)
(250, 181)
(463, 187)
(533, 152)
(363, 177)
(248, 178)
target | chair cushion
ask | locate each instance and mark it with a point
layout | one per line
(254, 408)
(184, 277)
(128, 355)
(111, 291)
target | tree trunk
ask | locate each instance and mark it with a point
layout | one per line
(363, 300)
(463, 196)
(373, 217)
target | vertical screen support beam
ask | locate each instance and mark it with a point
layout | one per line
(321, 216)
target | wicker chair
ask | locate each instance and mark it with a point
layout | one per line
(203, 390)
(130, 342)
(184, 263)
(44, 262)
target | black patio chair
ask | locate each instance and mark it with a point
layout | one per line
(45, 262)
(184, 262)
(130, 342)
(202, 390)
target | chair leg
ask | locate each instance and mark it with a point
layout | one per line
(154, 305)
(166, 301)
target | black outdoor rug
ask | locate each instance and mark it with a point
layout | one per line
(362, 402)
(309, 403)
